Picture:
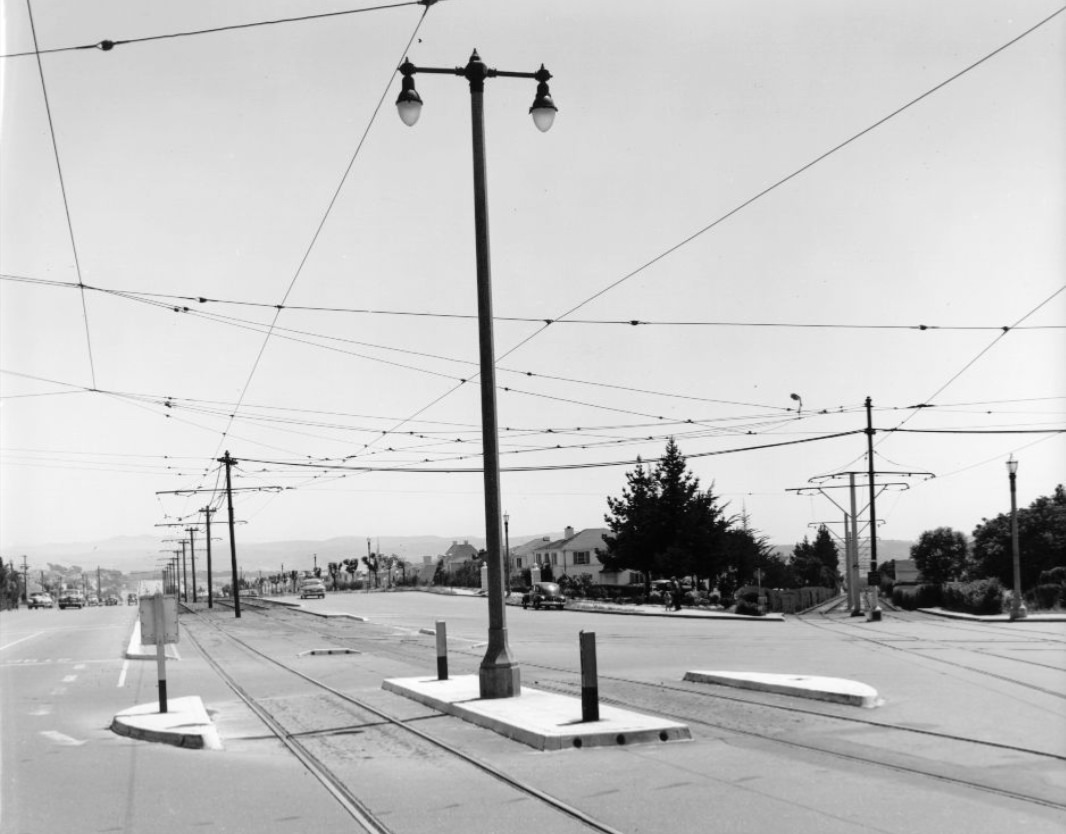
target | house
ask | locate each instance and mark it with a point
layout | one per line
(457, 554)
(576, 554)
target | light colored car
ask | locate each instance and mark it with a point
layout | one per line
(41, 601)
(312, 588)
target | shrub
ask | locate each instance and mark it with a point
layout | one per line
(1056, 575)
(983, 596)
(1046, 596)
(747, 594)
(909, 597)
(747, 608)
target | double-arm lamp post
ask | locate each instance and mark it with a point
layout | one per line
(499, 675)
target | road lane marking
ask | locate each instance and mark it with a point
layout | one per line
(44, 709)
(122, 674)
(61, 738)
(70, 678)
(20, 640)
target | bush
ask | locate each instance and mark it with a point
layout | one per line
(983, 596)
(1056, 575)
(1046, 596)
(909, 597)
(747, 608)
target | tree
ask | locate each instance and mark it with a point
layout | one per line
(817, 563)
(664, 524)
(941, 555)
(1041, 537)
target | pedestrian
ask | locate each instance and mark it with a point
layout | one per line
(675, 593)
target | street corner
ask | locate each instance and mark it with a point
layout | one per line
(184, 724)
(835, 690)
(543, 720)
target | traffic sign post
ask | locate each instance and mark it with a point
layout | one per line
(159, 626)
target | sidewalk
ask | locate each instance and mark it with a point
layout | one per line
(1043, 617)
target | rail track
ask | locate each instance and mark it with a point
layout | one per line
(301, 734)
(751, 715)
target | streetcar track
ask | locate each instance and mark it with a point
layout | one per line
(569, 687)
(358, 810)
(747, 701)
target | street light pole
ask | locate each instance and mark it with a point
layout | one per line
(499, 674)
(507, 556)
(1017, 607)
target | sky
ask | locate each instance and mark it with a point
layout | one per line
(219, 236)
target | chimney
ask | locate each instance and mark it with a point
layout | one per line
(569, 534)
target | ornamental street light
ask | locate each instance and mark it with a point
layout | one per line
(1017, 607)
(499, 675)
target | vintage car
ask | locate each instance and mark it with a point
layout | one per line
(71, 599)
(543, 595)
(312, 588)
(41, 601)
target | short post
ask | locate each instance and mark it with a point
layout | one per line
(442, 651)
(590, 693)
(160, 650)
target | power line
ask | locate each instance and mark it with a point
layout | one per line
(369, 311)
(63, 192)
(791, 176)
(108, 45)
(317, 232)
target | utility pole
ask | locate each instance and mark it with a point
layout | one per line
(210, 580)
(874, 579)
(192, 556)
(26, 580)
(228, 462)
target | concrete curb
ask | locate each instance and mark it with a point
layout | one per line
(683, 614)
(836, 690)
(184, 724)
(331, 614)
(995, 618)
(542, 720)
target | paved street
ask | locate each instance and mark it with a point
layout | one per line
(971, 734)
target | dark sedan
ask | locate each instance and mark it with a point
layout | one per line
(544, 595)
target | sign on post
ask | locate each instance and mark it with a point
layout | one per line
(159, 626)
(149, 629)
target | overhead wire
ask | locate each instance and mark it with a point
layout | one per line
(63, 193)
(108, 45)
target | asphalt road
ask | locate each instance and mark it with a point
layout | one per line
(971, 735)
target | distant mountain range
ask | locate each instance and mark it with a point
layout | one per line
(144, 553)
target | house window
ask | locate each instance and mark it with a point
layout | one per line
(555, 559)
(518, 562)
(581, 557)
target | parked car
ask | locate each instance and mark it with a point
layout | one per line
(249, 592)
(312, 588)
(111, 601)
(71, 599)
(131, 599)
(543, 595)
(41, 601)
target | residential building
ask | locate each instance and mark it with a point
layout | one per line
(576, 554)
(457, 554)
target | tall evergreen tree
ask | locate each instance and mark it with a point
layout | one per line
(664, 524)
(817, 562)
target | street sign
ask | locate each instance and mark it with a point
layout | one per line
(873, 579)
(169, 627)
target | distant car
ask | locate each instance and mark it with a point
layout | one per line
(312, 588)
(249, 592)
(71, 599)
(111, 601)
(41, 601)
(543, 595)
(92, 601)
(131, 599)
